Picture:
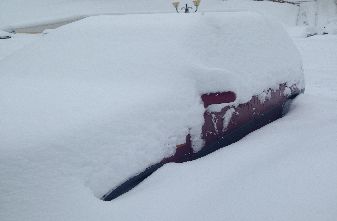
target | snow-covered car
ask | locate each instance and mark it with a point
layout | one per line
(109, 99)
(5, 35)
(227, 118)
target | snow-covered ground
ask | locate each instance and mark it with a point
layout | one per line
(23, 13)
(284, 171)
(17, 42)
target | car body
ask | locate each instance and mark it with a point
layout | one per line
(110, 99)
(226, 118)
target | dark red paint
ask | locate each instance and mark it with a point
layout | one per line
(218, 98)
(253, 111)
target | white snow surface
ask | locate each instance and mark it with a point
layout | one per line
(15, 43)
(4, 33)
(101, 106)
(23, 13)
(284, 171)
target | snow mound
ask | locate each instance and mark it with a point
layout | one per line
(23, 13)
(5, 35)
(98, 100)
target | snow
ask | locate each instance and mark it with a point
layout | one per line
(4, 33)
(266, 95)
(103, 106)
(318, 16)
(331, 26)
(325, 10)
(15, 43)
(227, 117)
(284, 13)
(284, 171)
(54, 158)
(23, 13)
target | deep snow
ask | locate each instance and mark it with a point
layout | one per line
(284, 171)
(22, 13)
(17, 42)
(103, 106)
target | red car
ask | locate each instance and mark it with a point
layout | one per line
(226, 117)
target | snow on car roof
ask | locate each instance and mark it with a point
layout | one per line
(103, 98)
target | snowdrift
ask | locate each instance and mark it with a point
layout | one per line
(97, 101)
(16, 14)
